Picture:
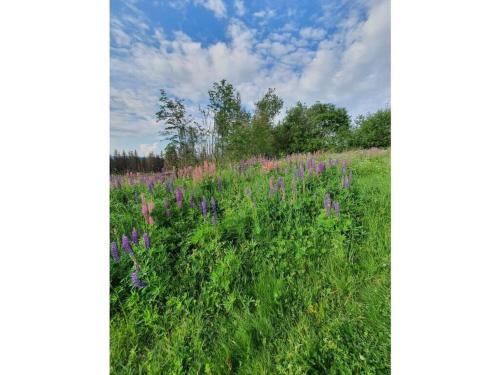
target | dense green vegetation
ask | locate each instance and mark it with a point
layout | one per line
(228, 132)
(274, 285)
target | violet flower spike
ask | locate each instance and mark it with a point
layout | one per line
(336, 208)
(204, 207)
(191, 202)
(114, 252)
(136, 281)
(126, 245)
(147, 241)
(327, 203)
(178, 197)
(135, 237)
(213, 203)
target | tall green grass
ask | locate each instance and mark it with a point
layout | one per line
(275, 287)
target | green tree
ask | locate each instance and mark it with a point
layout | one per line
(373, 130)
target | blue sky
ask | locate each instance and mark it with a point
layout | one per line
(331, 51)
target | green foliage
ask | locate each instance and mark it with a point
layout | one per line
(274, 287)
(307, 129)
(373, 130)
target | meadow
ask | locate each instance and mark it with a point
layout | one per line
(262, 267)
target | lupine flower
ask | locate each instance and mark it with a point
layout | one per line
(114, 252)
(178, 197)
(169, 185)
(167, 208)
(321, 168)
(191, 202)
(151, 186)
(147, 242)
(136, 281)
(345, 182)
(327, 203)
(204, 207)
(135, 236)
(126, 245)
(281, 186)
(301, 172)
(213, 203)
(330, 162)
(336, 208)
(344, 164)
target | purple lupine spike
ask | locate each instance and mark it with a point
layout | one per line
(147, 241)
(170, 185)
(191, 202)
(136, 281)
(336, 208)
(321, 168)
(213, 203)
(178, 197)
(126, 245)
(301, 172)
(281, 184)
(327, 203)
(151, 186)
(135, 237)
(166, 204)
(114, 252)
(204, 207)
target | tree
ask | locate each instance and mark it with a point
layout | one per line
(179, 130)
(373, 130)
(261, 132)
(225, 104)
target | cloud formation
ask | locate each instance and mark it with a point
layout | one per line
(349, 67)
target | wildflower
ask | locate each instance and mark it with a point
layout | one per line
(213, 203)
(346, 182)
(191, 202)
(126, 245)
(147, 241)
(135, 237)
(330, 162)
(151, 186)
(167, 208)
(336, 208)
(114, 252)
(169, 185)
(344, 164)
(327, 203)
(301, 172)
(204, 207)
(178, 197)
(136, 281)
(321, 168)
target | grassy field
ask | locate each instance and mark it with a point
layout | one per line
(273, 285)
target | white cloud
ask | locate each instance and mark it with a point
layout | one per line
(239, 6)
(351, 68)
(266, 14)
(146, 149)
(216, 6)
(312, 33)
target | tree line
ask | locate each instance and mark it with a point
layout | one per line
(228, 132)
